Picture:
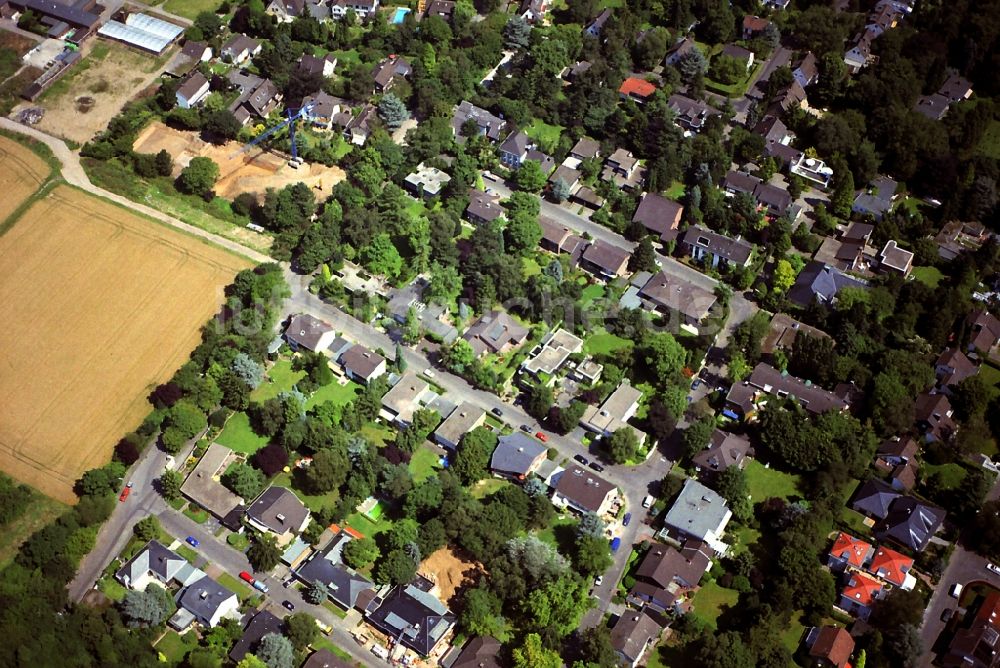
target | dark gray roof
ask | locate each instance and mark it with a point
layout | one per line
(390, 68)
(360, 361)
(418, 618)
(72, 14)
(606, 257)
(777, 200)
(279, 510)
(489, 124)
(631, 634)
(343, 583)
(674, 293)
(515, 453)
(239, 43)
(586, 148)
(736, 251)
(821, 281)
(725, 450)
(256, 628)
(813, 398)
(584, 488)
(873, 498)
(484, 206)
(912, 523)
(740, 182)
(480, 652)
(203, 598)
(737, 52)
(516, 143)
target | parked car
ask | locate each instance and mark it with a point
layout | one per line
(540, 435)
(288, 605)
(260, 586)
(616, 542)
(626, 519)
(648, 501)
(526, 428)
(947, 614)
(126, 491)
(429, 373)
(246, 577)
(599, 581)
(696, 384)
(360, 638)
(580, 458)
(380, 652)
(497, 412)
(993, 568)
(597, 467)
(956, 590)
(192, 541)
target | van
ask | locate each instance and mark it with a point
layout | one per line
(956, 590)
(380, 652)
(648, 501)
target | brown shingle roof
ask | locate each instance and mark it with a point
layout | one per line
(585, 488)
(834, 645)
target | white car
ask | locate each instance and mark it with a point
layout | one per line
(993, 568)
(599, 581)
(429, 373)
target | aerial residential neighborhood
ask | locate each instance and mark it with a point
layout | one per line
(500, 334)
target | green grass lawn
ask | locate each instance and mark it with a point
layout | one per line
(110, 588)
(675, 191)
(989, 145)
(175, 647)
(948, 476)
(335, 609)
(190, 8)
(855, 521)
(546, 135)
(189, 554)
(360, 523)
(549, 534)
(378, 435)
(238, 541)
(929, 276)
(764, 483)
(282, 379)
(604, 343)
(592, 292)
(910, 204)
(237, 586)
(484, 488)
(737, 89)
(747, 536)
(239, 436)
(791, 637)
(327, 644)
(529, 267)
(41, 510)
(335, 392)
(990, 374)
(424, 464)
(196, 514)
(711, 600)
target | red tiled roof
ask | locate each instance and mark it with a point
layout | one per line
(989, 611)
(851, 549)
(890, 565)
(637, 87)
(862, 589)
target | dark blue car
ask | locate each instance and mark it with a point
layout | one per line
(615, 544)
(192, 541)
(626, 519)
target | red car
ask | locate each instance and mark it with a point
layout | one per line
(126, 491)
(541, 437)
(246, 576)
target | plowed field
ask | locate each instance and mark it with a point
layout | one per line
(21, 173)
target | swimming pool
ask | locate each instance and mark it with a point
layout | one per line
(400, 14)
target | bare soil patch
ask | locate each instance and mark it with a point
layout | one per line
(450, 571)
(21, 174)
(100, 306)
(251, 172)
(110, 74)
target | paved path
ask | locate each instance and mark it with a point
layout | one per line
(73, 173)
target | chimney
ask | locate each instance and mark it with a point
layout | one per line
(280, 517)
(203, 595)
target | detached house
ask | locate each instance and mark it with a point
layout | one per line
(362, 365)
(584, 491)
(911, 523)
(495, 333)
(517, 456)
(666, 574)
(952, 367)
(691, 114)
(486, 123)
(724, 450)
(742, 55)
(192, 91)
(679, 50)
(240, 48)
(715, 249)
(518, 148)
(895, 260)
(404, 398)
(156, 564)
(699, 513)
(933, 414)
(849, 552)
(636, 89)
(363, 9)
(605, 261)
(614, 413)
(206, 602)
(285, 11)
(278, 511)
(483, 207)
(306, 332)
(659, 215)
(343, 584)
(632, 635)
(462, 420)
(892, 567)
(623, 169)
(984, 331)
(859, 594)
(671, 295)
(413, 616)
(387, 71)
(830, 647)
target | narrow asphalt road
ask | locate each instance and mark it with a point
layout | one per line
(72, 172)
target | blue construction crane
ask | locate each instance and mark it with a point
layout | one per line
(305, 111)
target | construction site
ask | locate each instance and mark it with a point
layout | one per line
(251, 171)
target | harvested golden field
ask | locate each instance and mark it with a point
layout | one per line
(21, 174)
(100, 306)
